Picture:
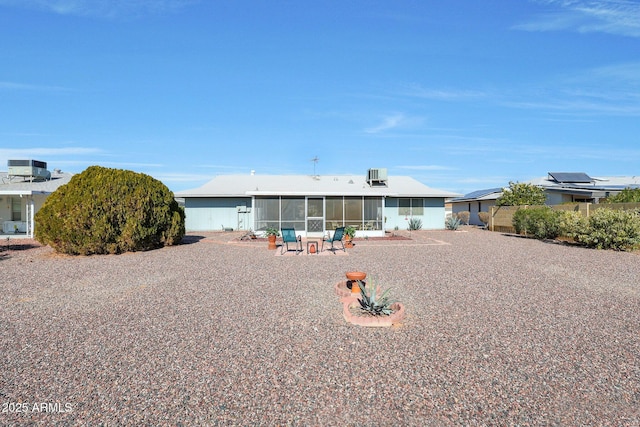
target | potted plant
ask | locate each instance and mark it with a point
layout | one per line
(349, 233)
(271, 233)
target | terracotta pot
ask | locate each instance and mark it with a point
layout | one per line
(356, 275)
(272, 242)
(312, 248)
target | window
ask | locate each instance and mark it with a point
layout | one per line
(411, 207)
(16, 209)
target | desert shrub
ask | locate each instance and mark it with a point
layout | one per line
(484, 217)
(106, 210)
(540, 222)
(610, 229)
(571, 222)
(415, 224)
(463, 216)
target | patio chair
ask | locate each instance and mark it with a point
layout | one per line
(337, 237)
(289, 236)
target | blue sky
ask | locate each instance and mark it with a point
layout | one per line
(460, 94)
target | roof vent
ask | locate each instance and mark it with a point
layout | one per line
(32, 169)
(377, 177)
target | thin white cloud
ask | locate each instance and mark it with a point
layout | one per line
(621, 17)
(387, 123)
(394, 121)
(29, 153)
(612, 90)
(417, 91)
(100, 8)
(4, 85)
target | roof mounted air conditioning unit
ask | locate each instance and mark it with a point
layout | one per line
(377, 177)
(33, 169)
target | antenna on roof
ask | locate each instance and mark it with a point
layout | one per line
(315, 162)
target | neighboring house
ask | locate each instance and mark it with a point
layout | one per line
(477, 201)
(559, 187)
(23, 190)
(314, 204)
(572, 187)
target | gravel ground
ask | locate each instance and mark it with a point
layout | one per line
(500, 330)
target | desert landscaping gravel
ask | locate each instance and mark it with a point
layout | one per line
(500, 330)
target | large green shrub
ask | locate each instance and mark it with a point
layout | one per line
(540, 222)
(610, 229)
(106, 210)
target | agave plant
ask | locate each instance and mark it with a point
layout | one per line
(415, 224)
(372, 301)
(452, 223)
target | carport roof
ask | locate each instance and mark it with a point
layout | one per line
(309, 185)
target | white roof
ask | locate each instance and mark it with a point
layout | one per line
(308, 185)
(20, 186)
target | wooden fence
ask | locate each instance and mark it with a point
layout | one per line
(501, 217)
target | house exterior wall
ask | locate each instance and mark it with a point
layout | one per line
(432, 216)
(473, 207)
(209, 213)
(557, 198)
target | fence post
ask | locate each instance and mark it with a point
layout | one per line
(491, 218)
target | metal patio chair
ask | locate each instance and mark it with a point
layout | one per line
(337, 237)
(289, 236)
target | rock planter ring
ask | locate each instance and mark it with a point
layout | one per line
(342, 290)
(373, 321)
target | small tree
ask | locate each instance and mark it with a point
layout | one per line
(520, 193)
(106, 210)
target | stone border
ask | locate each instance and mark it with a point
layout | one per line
(349, 299)
(373, 321)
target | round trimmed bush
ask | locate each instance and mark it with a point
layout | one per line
(105, 210)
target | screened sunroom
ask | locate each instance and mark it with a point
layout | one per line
(313, 216)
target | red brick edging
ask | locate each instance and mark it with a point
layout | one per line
(349, 300)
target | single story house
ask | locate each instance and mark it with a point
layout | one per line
(559, 187)
(313, 204)
(23, 190)
(474, 202)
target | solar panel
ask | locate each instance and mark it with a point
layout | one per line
(480, 193)
(580, 177)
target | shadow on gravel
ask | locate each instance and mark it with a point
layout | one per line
(17, 247)
(191, 239)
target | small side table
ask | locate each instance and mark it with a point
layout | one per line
(311, 243)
